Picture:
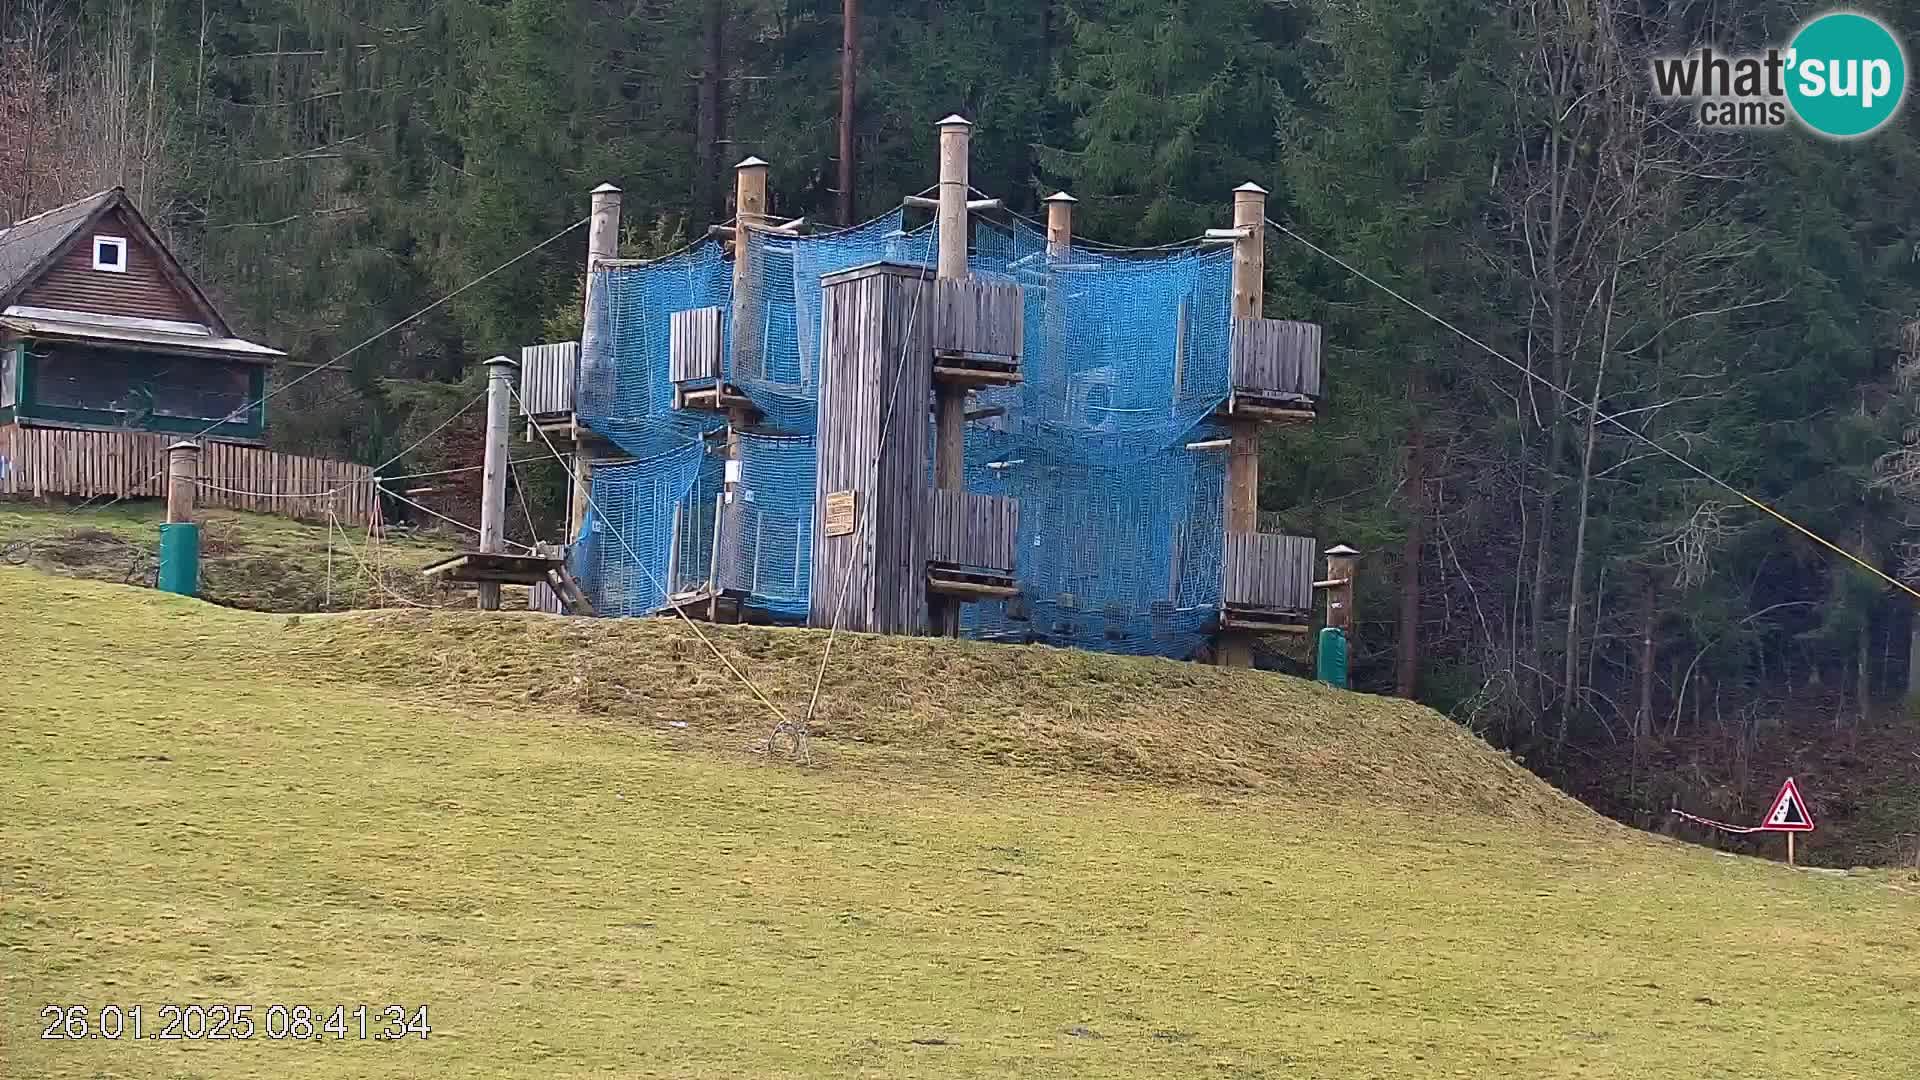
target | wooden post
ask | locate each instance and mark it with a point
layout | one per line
(749, 360)
(603, 242)
(183, 481)
(1060, 224)
(950, 402)
(493, 474)
(1243, 455)
(1343, 563)
(1059, 250)
(955, 133)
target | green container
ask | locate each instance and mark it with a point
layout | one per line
(1330, 664)
(180, 558)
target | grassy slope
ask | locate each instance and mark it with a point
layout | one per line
(1004, 861)
(255, 561)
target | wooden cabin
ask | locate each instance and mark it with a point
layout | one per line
(109, 353)
(101, 328)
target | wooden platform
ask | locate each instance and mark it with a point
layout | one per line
(1264, 620)
(714, 397)
(974, 369)
(970, 583)
(506, 568)
(1246, 404)
(498, 567)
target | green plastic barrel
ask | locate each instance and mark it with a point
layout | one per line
(1330, 666)
(180, 558)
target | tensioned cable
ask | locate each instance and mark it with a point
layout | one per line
(318, 368)
(873, 481)
(1598, 415)
(651, 579)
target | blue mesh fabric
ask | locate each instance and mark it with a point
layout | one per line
(1125, 360)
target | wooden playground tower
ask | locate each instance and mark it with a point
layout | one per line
(888, 556)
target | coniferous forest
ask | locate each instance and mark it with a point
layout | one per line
(1744, 305)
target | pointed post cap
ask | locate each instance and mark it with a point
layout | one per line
(503, 363)
(1250, 188)
(752, 162)
(955, 120)
(1341, 550)
(606, 189)
(1060, 197)
(185, 444)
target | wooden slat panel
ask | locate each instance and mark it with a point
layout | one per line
(1268, 571)
(974, 316)
(1275, 356)
(971, 529)
(143, 290)
(548, 377)
(133, 464)
(694, 345)
(873, 360)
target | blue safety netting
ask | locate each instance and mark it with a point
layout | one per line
(1125, 360)
(623, 556)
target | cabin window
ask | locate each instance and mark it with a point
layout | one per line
(110, 254)
(142, 388)
(9, 374)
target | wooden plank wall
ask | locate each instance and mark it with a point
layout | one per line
(1268, 571)
(142, 290)
(548, 375)
(694, 345)
(133, 464)
(974, 316)
(1274, 356)
(864, 341)
(971, 529)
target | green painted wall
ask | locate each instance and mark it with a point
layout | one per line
(32, 403)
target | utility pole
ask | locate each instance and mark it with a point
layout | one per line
(849, 86)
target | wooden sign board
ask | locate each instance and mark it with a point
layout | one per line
(840, 516)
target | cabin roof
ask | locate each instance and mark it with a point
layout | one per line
(124, 332)
(31, 246)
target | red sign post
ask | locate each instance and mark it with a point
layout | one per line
(1789, 814)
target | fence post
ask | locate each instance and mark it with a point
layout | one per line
(1336, 638)
(183, 481)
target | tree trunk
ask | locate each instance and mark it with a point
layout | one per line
(1570, 681)
(706, 116)
(1407, 672)
(849, 83)
(1913, 661)
(1643, 707)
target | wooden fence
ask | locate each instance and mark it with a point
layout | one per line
(1268, 571)
(133, 464)
(970, 529)
(548, 375)
(1273, 356)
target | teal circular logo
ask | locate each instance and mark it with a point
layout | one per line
(1846, 74)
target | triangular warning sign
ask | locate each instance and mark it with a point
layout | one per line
(1789, 813)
